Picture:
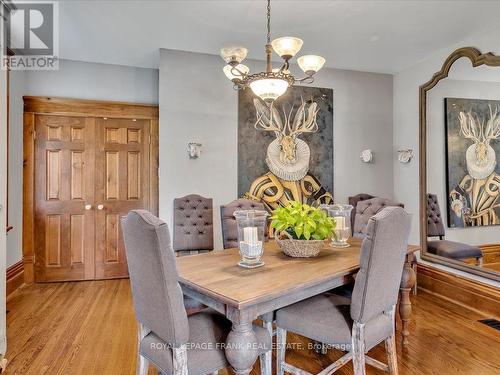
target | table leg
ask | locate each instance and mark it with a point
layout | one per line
(407, 282)
(241, 344)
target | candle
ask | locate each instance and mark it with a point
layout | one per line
(250, 235)
(340, 221)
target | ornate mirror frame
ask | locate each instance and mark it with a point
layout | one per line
(476, 59)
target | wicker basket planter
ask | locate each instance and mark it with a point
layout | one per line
(300, 248)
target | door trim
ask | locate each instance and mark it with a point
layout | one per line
(82, 108)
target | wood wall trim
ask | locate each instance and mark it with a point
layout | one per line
(473, 295)
(491, 253)
(89, 108)
(28, 196)
(154, 164)
(75, 107)
(490, 247)
(15, 277)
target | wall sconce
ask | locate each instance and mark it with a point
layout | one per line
(194, 150)
(366, 156)
(405, 156)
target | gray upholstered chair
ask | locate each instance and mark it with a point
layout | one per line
(368, 318)
(168, 338)
(228, 221)
(365, 209)
(193, 225)
(353, 201)
(442, 247)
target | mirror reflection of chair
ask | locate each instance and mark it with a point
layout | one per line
(442, 247)
(358, 324)
(174, 342)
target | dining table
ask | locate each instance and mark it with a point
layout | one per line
(243, 295)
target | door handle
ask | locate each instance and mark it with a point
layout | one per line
(88, 207)
(100, 206)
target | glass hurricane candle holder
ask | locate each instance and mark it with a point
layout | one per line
(252, 225)
(341, 213)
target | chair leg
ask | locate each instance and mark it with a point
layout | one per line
(390, 345)
(267, 358)
(392, 359)
(142, 365)
(479, 261)
(358, 348)
(180, 360)
(280, 350)
(266, 363)
(142, 362)
(415, 270)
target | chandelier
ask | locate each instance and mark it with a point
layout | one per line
(272, 83)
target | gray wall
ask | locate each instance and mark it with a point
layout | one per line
(436, 176)
(73, 80)
(197, 103)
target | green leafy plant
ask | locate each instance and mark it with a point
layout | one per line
(303, 222)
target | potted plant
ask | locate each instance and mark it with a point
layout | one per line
(301, 230)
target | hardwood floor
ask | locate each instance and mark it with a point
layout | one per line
(89, 328)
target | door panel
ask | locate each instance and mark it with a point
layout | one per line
(64, 184)
(122, 184)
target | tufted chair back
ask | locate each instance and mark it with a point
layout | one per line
(229, 228)
(193, 225)
(353, 201)
(435, 227)
(365, 210)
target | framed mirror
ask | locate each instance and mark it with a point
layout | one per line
(460, 164)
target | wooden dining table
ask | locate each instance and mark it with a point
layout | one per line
(243, 295)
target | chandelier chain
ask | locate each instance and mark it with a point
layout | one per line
(268, 21)
(270, 83)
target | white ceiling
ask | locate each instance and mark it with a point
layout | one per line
(377, 36)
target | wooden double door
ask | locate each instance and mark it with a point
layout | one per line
(88, 173)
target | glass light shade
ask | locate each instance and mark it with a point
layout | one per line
(228, 71)
(310, 64)
(269, 89)
(287, 46)
(233, 54)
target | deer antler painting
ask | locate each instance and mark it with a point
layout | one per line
(474, 193)
(287, 156)
(285, 149)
